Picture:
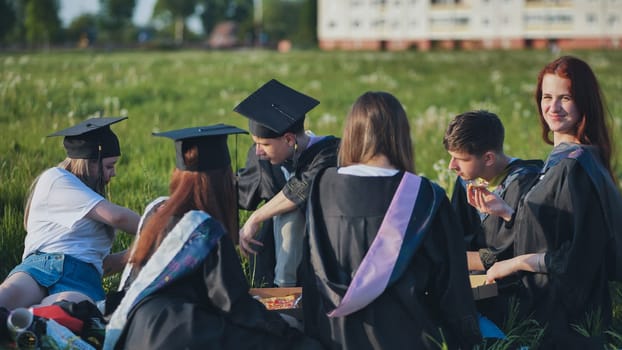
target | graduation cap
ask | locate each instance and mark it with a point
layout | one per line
(91, 139)
(211, 142)
(275, 109)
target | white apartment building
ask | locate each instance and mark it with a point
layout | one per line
(423, 24)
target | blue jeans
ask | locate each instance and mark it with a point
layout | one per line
(288, 238)
(59, 272)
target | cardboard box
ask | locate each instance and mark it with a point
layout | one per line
(280, 292)
(480, 289)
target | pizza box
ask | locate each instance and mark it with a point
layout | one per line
(259, 293)
(480, 289)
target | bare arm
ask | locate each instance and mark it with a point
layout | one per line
(279, 204)
(525, 262)
(115, 262)
(116, 216)
(120, 218)
(474, 262)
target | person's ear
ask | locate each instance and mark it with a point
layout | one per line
(290, 138)
(490, 158)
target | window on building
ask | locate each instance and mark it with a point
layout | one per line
(449, 21)
(591, 18)
(377, 23)
(537, 19)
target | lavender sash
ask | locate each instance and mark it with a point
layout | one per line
(372, 276)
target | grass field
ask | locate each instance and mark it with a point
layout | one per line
(44, 92)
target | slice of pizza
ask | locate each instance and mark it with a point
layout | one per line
(279, 303)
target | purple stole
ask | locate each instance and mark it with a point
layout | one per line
(372, 276)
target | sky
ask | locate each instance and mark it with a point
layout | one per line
(70, 9)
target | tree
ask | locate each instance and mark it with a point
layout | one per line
(290, 19)
(8, 19)
(213, 11)
(41, 22)
(119, 9)
(116, 19)
(280, 18)
(83, 30)
(306, 33)
(17, 34)
(179, 10)
(216, 11)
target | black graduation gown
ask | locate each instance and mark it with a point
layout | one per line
(259, 181)
(317, 157)
(563, 216)
(486, 233)
(209, 309)
(432, 292)
(483, 231)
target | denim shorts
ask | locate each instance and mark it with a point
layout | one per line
(62, 273)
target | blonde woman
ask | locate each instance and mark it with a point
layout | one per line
(70, 225)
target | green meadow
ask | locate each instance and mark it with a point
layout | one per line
(41, 93)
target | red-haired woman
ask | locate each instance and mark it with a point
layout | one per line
(565, 227)
(184, 286)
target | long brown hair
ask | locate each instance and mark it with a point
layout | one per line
(377, 124)
(593, 127)
(212, 191)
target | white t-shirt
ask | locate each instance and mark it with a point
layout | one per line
(57, 222)
(366, 170)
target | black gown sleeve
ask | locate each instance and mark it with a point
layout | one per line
(468, 217)
(445, 246)
(298, 186)
(227, 290)
(258, 181)
(499, 234)
(575, 264)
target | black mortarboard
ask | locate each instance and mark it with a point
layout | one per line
(91, 139)
(275, 109)
(212, 145)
